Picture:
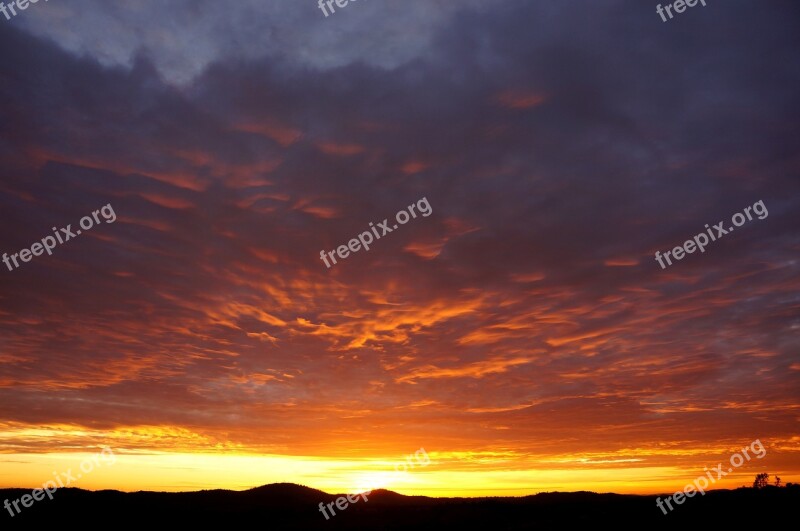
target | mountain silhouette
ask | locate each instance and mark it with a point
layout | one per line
(287, 506)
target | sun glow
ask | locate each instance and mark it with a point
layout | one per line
(369, 481)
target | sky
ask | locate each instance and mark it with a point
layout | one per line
(517, 328)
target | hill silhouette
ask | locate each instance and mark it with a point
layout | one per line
(287, 506)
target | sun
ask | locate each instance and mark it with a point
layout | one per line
(369, 481)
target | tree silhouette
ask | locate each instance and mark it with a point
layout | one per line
(777, 481)
(762, 480)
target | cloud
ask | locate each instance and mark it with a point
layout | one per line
(556, 166)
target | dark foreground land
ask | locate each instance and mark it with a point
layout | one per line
(292, 507)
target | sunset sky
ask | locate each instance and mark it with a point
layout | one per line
(522, 333)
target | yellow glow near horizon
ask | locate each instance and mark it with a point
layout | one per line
(187, 472)
(369, 481)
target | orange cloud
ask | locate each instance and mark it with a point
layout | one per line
(621, 262)
(518, 99)
(333, 148)
(472, 370)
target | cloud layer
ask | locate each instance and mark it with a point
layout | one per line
(559, 147)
